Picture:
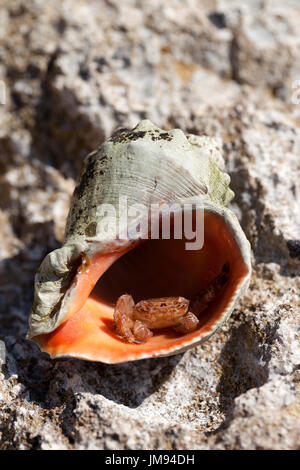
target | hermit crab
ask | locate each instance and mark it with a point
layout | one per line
(114, 292)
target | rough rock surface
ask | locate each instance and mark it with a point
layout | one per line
(74, 71)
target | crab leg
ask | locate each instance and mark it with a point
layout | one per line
(199, 302)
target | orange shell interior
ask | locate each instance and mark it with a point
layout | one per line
(154, 268)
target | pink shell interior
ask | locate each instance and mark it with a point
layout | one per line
(155, 268)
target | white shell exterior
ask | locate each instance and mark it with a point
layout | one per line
(146, 165)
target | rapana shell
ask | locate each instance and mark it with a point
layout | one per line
(78, 284)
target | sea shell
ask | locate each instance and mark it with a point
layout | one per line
(78, 284)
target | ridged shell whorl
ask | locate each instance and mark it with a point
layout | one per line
(147, 165)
